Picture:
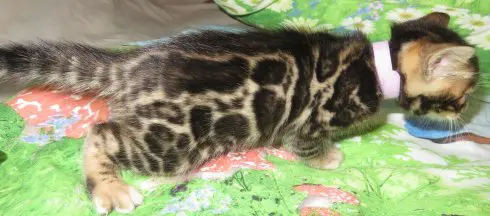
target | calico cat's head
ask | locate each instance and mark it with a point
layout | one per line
(438, 68)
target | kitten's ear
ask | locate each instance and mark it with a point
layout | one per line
(449, 63)
(437, 18)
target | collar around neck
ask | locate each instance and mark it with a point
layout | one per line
(388, 78)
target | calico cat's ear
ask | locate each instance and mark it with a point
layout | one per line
(450, 62)
(436, 18)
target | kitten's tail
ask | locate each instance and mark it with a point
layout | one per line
(68, 66)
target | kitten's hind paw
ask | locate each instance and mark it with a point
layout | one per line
(331, 160)
(115, 195)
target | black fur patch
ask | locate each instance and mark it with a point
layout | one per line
(195, 157)
(15, 58)
(144, 111)
(90, 185)
(357, 75)
(162, 110)
(307, 154)
(269, 71)
(154, 164)
(170, 161)
(435, 104)
(201, 120)
(162, 132)
(157, 137)
(197, 76)
(327, 64)
(150, 84)
(183, 142)
(169, 111)
(153, 144)
(115, 130)
(268, 109)
(301, 97)
(138, 163)
(234, 127)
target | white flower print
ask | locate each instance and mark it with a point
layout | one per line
(357, 23)
(377, 5)
(281, 5)
(474, 21)
(480, 39)
(450, 10)
(232, 7)
(402, 15)
(300, 22)
(255, 3)
(375, 15)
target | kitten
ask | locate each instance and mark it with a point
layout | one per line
(199, 95)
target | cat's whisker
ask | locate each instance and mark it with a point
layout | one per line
(463, 123)
(451, 129)
(460, 129)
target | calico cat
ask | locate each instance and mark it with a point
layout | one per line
(198, 95)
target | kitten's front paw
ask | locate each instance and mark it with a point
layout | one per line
(331, 160)
(115, 195)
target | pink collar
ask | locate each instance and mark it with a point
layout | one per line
(388, 78)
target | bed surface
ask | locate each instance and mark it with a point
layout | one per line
(386, 172)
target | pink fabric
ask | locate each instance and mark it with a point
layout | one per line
(226, 165)
(388, 78)
(51, 115)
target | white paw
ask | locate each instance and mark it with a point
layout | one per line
(334, 159)
(331, 160)
(115, 195)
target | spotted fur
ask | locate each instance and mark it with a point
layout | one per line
(179, 103)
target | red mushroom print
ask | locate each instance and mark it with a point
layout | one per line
(53, 110)
(224, 166)
(320, 198)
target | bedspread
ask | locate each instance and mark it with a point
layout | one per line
(386, 171)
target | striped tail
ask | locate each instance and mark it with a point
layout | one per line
(68, 66)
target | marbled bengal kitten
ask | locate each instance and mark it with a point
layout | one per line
(198, 95)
